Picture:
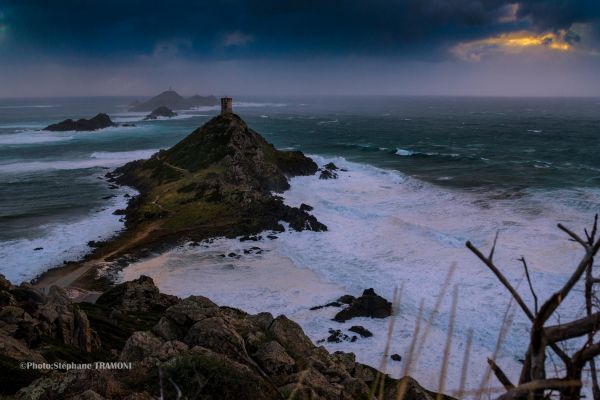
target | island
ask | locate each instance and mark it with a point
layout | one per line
(172, 100)
(100, 121)
(161, 111)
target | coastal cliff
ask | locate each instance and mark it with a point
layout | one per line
(170, 347)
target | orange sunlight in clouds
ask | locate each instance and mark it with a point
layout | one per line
(512, 43)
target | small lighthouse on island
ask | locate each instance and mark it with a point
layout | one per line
(226, 105)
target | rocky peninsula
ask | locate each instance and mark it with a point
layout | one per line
(221, 180)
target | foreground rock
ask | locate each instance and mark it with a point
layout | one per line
(370, 304)
(218, 181)
(161, 111)
(174, 101)
(100, 121)
(190, 346)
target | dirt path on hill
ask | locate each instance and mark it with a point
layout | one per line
(76, 275)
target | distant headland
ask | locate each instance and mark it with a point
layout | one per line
(173, 100)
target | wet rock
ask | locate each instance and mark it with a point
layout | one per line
(305, 207)
(396, 357)
(346, 299)
(332, 304)
(336, 336)
(327, 174)
(368, 305)
(362, 331)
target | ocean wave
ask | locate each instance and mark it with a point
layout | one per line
(387, 229)
(61, 241)
(408, 153)
(31, 106)
(33, 137)
(95, 160)
(333, 121)
(404, 152)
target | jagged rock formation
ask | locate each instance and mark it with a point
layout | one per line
(174, 101)
(328, 171)
(161, 111)
(370, 304)
(218, 181)
(190, 345)
(100, 121)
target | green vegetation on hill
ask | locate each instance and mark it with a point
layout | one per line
(218, 181)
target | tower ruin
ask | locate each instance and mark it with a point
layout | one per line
(226, 105)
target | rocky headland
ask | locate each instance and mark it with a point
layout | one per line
(170, 348)
(221, 180)
(100, 121)
(174, 101)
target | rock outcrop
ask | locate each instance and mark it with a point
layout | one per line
(191, 346)
(329, 171)
(161, 111)
(218, 181)
(174, 101)
(370, 304)
(100, 121)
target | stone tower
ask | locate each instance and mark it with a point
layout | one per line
(226, 105)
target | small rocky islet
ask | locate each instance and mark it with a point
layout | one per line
(100, 121)
(159, 112)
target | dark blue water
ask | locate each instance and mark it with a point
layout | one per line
(505, 147)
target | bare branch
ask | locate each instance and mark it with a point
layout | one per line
(535, 298)
(587, 353)
(543, 384)
(573, 329)
(502, 279)
(500, 375)
(574, 236)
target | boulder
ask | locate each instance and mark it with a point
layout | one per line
(361, 330)
(139, 295)
(273, 359)
(291, 336)
(368, 305)
(139, 346)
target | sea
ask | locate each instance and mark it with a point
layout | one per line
(419, 176)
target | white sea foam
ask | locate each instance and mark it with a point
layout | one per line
(387, 230)
(96, 159)
(60, 241)
(404, 152)
(33, 137)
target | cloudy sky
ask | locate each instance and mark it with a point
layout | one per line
(300, 47)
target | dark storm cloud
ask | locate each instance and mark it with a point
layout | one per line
(270, 28)
(559, 14)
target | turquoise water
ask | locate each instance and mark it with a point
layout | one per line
(52, 194)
